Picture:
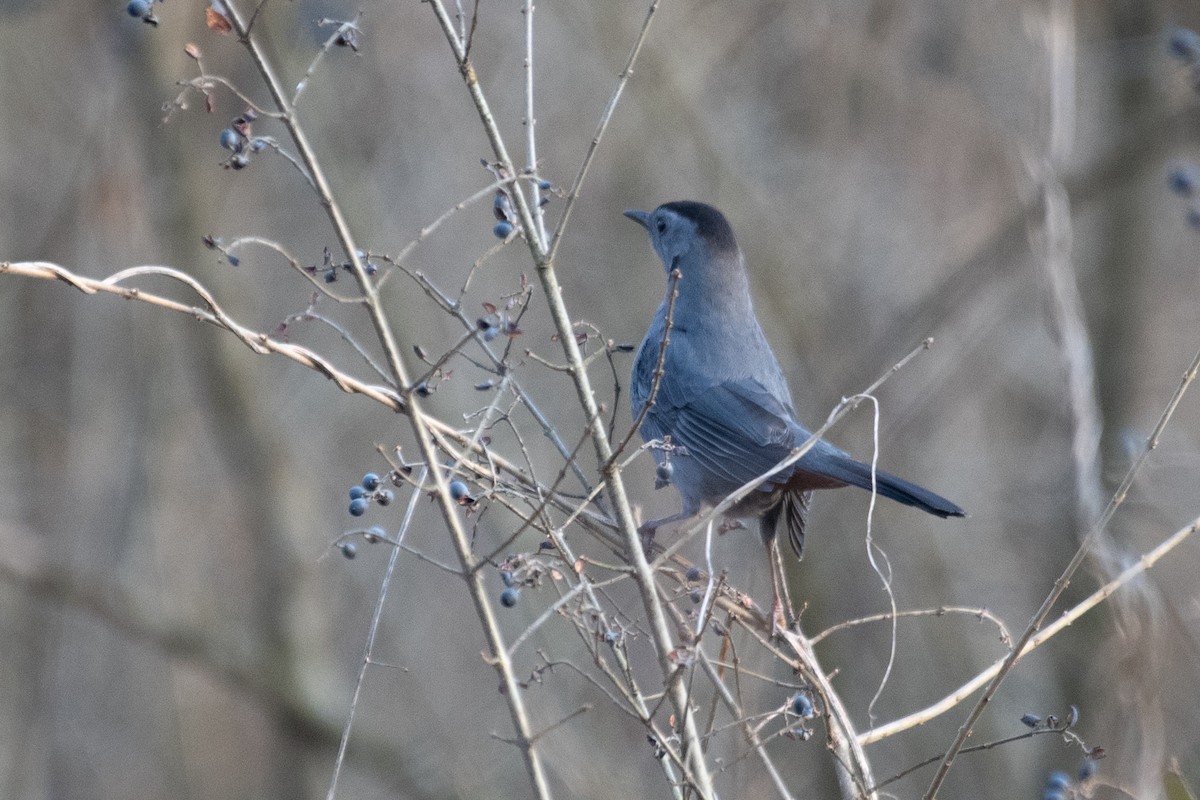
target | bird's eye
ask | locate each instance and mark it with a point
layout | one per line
(662, 226)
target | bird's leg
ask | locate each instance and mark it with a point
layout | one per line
(782, 617)
(647, 529)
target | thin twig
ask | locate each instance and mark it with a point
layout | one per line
(548, 429)
(545, 616)
(979, 614)
(420, 423)
(429, 229)
(436, 366)
(554, 725)
(342, 28)
(369, 648)
(652, 398)
(974, 749)
(605, 118)
(1028, 644)
(752, 737)
(259, 342)
(345, 335)
(1060, 41)
(1064, 580)
(854, 775)
(535, 189)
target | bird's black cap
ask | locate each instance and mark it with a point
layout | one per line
(710, 223)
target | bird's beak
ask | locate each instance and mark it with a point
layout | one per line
(640, 217)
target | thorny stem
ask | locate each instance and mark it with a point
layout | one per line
(420, 425)
(372, 631)
(672, 296)
(531, 122)
(854, 769)
(1064, 580)
(696, 768)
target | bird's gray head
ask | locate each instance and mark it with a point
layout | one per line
(688, 234)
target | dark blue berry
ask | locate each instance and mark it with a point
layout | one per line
(544, 185)
(1087, 769)
(507, 578)
(802, 706)
(1184, 44)
(422, 389)
(384, 497)
(664, 472)
(375, 534)
(331, 276)
(1058, 781)
(1182, 181)
(1031, 720)
(610, 637)
(510, 596)
(232, 259)
(696, 595)
(491, 333)
(239, 161)
(370, 268)
(693, 574)
(138, 8)
(370, 481)
(229, 138)
(257, 145)
(358, 506)
(459, 490)
(1193, 217)
(349, 550)
(502, 229)
(357, 492)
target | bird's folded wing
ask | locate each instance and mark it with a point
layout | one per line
(736, 430)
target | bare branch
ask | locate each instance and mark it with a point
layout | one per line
(1030, 642)
(372, 631)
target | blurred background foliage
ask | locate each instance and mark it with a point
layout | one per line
(173, 621)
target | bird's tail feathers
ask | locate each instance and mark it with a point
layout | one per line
(890, 486)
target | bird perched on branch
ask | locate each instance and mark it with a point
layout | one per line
(719, 399)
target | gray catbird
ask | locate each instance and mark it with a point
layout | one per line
(722, 398)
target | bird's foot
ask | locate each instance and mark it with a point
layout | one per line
(647, 533)
(730, 524)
